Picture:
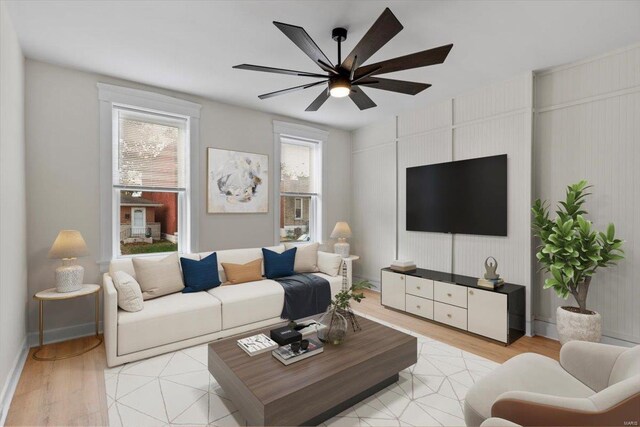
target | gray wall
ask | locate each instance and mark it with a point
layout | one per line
(63, 178)
(588, 127)
(13, 231)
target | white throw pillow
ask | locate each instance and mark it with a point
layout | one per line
(158, 277)
(329, 263)
(129, 293)
(306, 257)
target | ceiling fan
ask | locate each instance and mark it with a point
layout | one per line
(350, 76)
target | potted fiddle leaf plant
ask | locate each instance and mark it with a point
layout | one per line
(571, 251)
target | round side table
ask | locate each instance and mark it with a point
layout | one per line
(52, 295)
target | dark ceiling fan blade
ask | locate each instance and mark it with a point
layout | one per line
(361, 99)
(317, 103)
(299, 36)
(415, 60)
(289, 90)
(364, 76)
(251, 67)
(400, 86)
(383, 30)
(327, 67)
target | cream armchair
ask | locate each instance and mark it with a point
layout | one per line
(594, 384)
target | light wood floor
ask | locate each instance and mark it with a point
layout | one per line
(72, 391)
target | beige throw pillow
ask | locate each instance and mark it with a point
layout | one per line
(158, 278)
(306, 257)
(329, 263)
(242, 273)
(129, 293)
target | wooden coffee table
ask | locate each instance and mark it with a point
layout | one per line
(315, 389)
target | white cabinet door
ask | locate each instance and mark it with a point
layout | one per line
(393, 288)
(487, 313)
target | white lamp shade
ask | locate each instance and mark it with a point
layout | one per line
(68, 244)
(341, 231)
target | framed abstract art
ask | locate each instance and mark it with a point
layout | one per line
(237, 182)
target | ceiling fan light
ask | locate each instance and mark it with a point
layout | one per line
(339, 88)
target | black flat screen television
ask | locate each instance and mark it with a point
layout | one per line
(465, 197)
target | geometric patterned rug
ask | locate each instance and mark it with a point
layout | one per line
(177, 389)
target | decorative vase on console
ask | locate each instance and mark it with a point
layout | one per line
(572, 252)
(335, 321)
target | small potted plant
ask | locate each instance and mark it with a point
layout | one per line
(571, 251)
(339, 314)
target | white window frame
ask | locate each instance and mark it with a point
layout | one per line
(110, 97)
(296, 200)
(305, 135)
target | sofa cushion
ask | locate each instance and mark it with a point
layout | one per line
(240, 256)
(278, 264)
(158, 277)
(129, 293)
(249, 302)
(126, 264)
(242, 273)
(525, 372)
(306, 257)
(165, 320)
(329, 263)
(200, 275)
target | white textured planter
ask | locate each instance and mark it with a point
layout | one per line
(578, 327)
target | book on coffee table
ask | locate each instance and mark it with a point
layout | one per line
(287, 356)
(257, 344)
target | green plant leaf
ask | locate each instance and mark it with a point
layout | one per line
(611, 232)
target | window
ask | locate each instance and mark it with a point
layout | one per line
(298, 208)
(300, 187)
(150, 185)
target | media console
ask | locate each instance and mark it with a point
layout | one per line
(457, 301)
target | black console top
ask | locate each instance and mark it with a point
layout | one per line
(470, 282)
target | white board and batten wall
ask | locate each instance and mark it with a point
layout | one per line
(490, 121)
(587, 126)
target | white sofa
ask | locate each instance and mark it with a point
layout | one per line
(183, 320)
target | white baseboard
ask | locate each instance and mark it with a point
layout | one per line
(9, 387)
(64, 334)
(548, 329)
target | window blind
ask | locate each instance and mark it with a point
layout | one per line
(297, 168)
(150, 151)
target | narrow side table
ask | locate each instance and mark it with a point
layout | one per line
(52, 295)
(347, 270)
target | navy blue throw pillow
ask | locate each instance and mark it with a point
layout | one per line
(278, 265)
(200, 275)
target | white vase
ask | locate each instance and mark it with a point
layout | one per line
(577, 326)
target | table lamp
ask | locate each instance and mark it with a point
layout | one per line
(68, 246)
(341, 232)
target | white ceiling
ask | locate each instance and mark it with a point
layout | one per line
(191, 46)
